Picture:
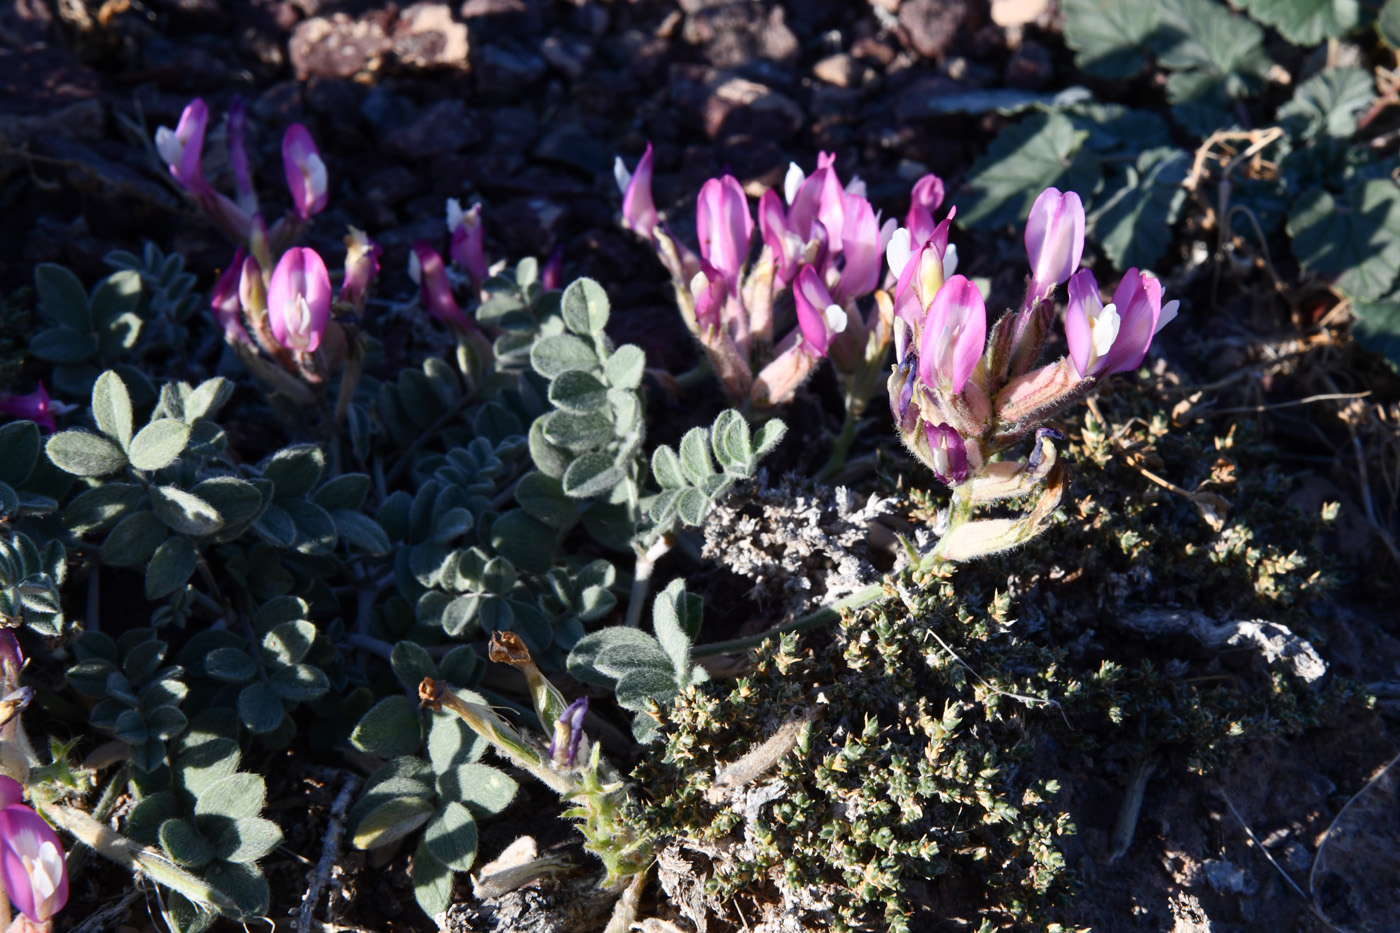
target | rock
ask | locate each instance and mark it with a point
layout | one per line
(571, 56)
(426, 36)
(447, 126)
(27, 20)
(735, 34)
(339, 46)
(513, 129)
(932, 25)
(1009, 13)
(1029, 67)
(874, 49)
(279, 106)
(335, 98)
(574, 147)
(840, 70)
(1225, 877)
(840, 104)
(728, 105)
(528, 226)
(386, 110)
(391, 186)
(507, 72)
(495, 20)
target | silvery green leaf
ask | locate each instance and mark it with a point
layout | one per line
(578, 391)
(695, 456)
(185, 846)
(392, 728)
(236, 500)
(543, 497)
(585, 307)
(561, 353)
(451, 524)
(111, 408)
(626, 411)
(63, 345)
(289, 641)
(144, 820)
(143, 659)
(159, 444)
(346, 491)
(498, 576)
(100, 507)
(260, 709)
(459, 617)
(666, 467)
(548, 459)
(625, 367)
(671, 633)
(244, 884)
(637, 688)
(462, 668)
(83, 454)
(732, 443)
(212, 759)
(277, 611)
(186, 915)
(115, 296)
(391, 821)
(412, 664)
(237, 797)
(89, 677)
(207, 398)
(592, 474)
(246, 840)
(494, 614)
(451, 836)
(296, 470)
(452, 743)
(19, 450)
(483, 789)
(276, 526)
(594, 603)
(360, 531)
(578, 432)
(610, 523)
(184, 512)
(769, 436)
(393, 515)
(432, 881)
(603, 656)
(691, 506)
(61, 296)
(299, 683)
(130, 727)
(164, 723)
(171, 567)
(316, 531)
(525, 541)
(230, 665)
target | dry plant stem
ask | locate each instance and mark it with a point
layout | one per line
(330, 851)
(1364, 481)
(1132, 805)
(104, 917)
(625, 910)
(1327, 837)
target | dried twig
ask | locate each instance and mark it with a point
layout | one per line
(330, 852)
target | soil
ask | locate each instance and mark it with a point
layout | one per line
(523, 104)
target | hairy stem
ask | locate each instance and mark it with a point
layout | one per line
(874, 593)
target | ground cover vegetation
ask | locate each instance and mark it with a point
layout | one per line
(556, 567)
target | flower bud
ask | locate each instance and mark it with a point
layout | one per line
(238, 156)
(923, 201)
(468, 247)
(182, 147)
(31, 858)
(953, 335)
(860, 245)
(299, 300)
(817, 315)
(638, 208)
(361, 267)
(306, 172)
(552, 274)
(947, 453)
(36, 407)
(725, 226)
(225, 302)
(568, 733)
(1054, 239)
(425, 266)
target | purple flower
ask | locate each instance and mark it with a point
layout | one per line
(468, 248)
(552, 275)
(954, 332)
(708, 290)
(31, 857)
(306, 172)
(902, 384)
(1054, 239)
(568, 733)
(238, 156)
(226, 304)
(947, 453)
(1113, 338)
(818, 316)
(182, 147)
(299, 299)
(35, 407)
(425, 266)
(638, 208)
(725, 226)
(923, 201)
(361, 267)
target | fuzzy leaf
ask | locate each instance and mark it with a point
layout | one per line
(432, 881)
(666, 467)
(295, 471)
(577, 391)
(637, 688)
(451, 836)
(19, 450)
(185, 846)
(159, 444)
(695, 456)
(592, 474)
(603, 656)
(411, 664)
(83, 454)
(392, 728)
(625, 367)
(560, 353)
(391, 821)
(260, 708)
(111, 408)
(543, 497)
(585, 307)
(667, 619)
(61, 296)
(578, 432)
(184, 512)
(237, 797)
(525, 541)
(245, 840)
(482, 788)
(171, 567)
(100, 507)
(236, 500)
(360, 531)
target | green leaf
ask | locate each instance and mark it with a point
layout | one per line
(260, 708)
(1328, 103)
(171, 567)
(184, 512)
(230, 665)
(299, 683)
(592, 474)
(451, 836)
(159, 444)
(1133, 220)
(432, 881)
(560, 353)
(484, 790)
(19, 451)
(525, 541)
(691, 506)
(578, 391)
(732, 443)
(695, 456)
(550, 460)
(346, 491)
(111, 408)
(289, 641)
(236, 500)
(605, 655)
(360, 531)
(134, 541)
(100, 507)
(244, 884)
(116, 295)
(295, 471)
(391, 821)
(207, 398)
(1307, 22)
(637, 688)
(245, 840)
(543, 497)
(63, 345)
(185, 846)
(666, 467)
(62, 297)
(625, 367)
(1388, 23)
(1040, 151)
(1356, 244)
(83, 454)
(1108, 37)
(667, 618)
(451, 743)
(578, 432)
(585, 307)
(238, 796)
(412, 664)
(1377, 328)
(1204, 35)
(392, 728)
(316, 530)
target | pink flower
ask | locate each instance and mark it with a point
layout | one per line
(923, 201)
(1054, 239)
(1113, 337)
(35, 407)
(306, 172)
(709, 291)
(226, 304)
(552, 275)
(725, 226)
(947, 453)
(638, 208)
(361, 267)
(13, 697)
(468, 248)
(31, 858)
(182, 147)
(425, 266)
(299, 300)
(818, 316)
(238, 157)
(860, 247)
(953, 335)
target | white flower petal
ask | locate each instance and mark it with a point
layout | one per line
(454, 220)
(899, 251)
(621, 175)
(415, 267)
(793, 181)
(169, 146)
(950, 261)
(836, 320)
(1168, 314)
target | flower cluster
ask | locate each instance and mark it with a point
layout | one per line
(821, 249)
(959, 397)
